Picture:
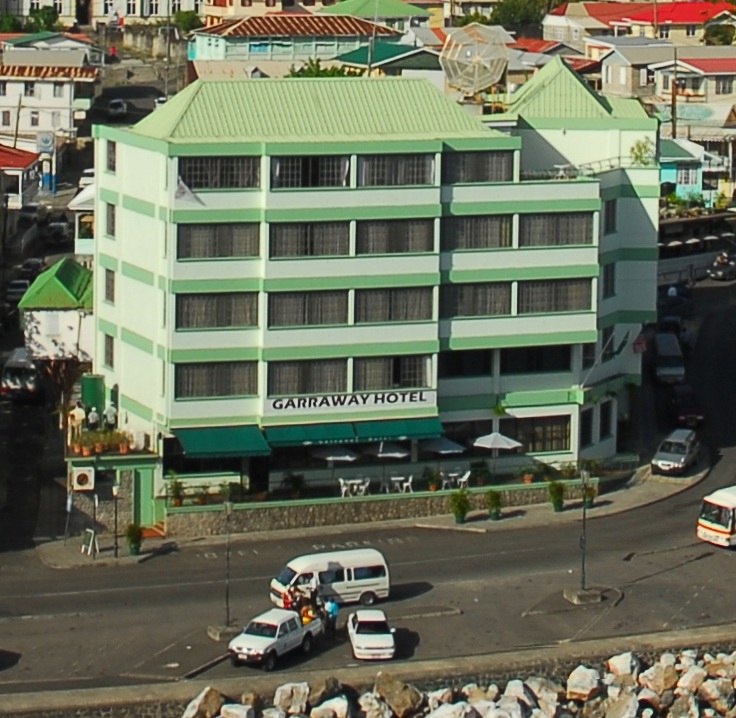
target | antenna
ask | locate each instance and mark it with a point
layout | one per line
(474, 58)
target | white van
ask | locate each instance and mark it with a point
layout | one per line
(356, 575)
(716, 522)
(669, 364)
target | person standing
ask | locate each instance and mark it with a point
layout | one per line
(76, 421)
(331, 612)
(110, 416)
(93, 419)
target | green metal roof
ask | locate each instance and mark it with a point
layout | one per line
(382, 52)
(370, 9)
(65, 285)
(33, 37)
(671, 150)
(558, 92)
(313, 110)
(398, 429)
(307, 435)
(222, 441)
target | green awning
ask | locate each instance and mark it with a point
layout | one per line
(399, 429)
(222, 441)
(310, 434)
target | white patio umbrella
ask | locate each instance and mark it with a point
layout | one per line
(386, 450)
(496, 442)
(442, 447)
(333, 454)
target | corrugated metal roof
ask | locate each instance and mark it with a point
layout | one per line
(383, 9)
(713, 66)
(12, 158)
(66, 285)
(672, 150)
(47, 72)
(530, 44)
(309, 110)
(293, 25)
(679, 13)
(557, 91)
(382, 52)
(46, 58)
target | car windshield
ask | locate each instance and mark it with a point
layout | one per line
(716, 514)
(373, 628)
(256, 628)
(286, 575)
(672, 447)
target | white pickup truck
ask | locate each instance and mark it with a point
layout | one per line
(271, 635)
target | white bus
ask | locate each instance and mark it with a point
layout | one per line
(716, 520)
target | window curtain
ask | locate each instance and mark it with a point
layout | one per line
(372, 305)
(567, 295)
(292, 309)
(372, 374)
(211, 241)
(474, 300)
(216, 379)
(486, 232)
(327, 308)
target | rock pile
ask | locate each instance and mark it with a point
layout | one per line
(683, 685)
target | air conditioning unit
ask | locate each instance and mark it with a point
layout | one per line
(83, 478)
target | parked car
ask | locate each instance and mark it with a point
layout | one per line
(31, 268)
(87, 178)
(271, 635)
(162, 100)
(371, 638)
(678, 452)
(723, 268)
(684, 406)
(15, 290)
(116, 109)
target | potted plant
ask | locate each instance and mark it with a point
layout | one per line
(87, 443)
(556, 490)
(100, 441)
(119, 439)
(526, 474)
(176, 489)
(460, 505)
(134, 535)
(433, 478)
(202, 495)
(494, 503)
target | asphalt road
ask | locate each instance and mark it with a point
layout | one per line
(454, 594)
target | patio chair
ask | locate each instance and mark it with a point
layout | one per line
(365, 487)
(344, 488)
(462, 482)
(406, 486)
(446, 481)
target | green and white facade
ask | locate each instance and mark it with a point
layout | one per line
(283, 263)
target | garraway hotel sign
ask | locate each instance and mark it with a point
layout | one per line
(351, 402)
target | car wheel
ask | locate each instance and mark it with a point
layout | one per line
(368, 598)
(269, 662)
(235, 661)
(307, 644)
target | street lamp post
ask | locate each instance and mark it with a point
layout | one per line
(115, 490)
(228, 511)
(585, 479)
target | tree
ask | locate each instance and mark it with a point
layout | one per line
(514, 15)
(719, 35)
(43, 18)
(469, 19)
(60, 377)
(10, 23)
(314, 68)
(187, 20)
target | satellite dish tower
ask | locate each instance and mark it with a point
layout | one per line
(474, 58)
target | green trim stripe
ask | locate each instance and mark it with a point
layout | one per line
(138, 274)
(139, 206)
(523, 340)
(630, 254)
(213, 421)
(345, 351)
(107, 262)
(197, 216)
(135, 407)
(183, 356)
(107, 195)
(464, 276)
(627, 316)
(425, 412)
(245, 284)
(477, 144)
(136, 340)
(532, 206)
(363, 281)
(325, 212)
(388, 147)
(629, 191)
(107, 327)
(467, 402)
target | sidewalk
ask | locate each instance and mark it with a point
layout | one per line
(641, 490)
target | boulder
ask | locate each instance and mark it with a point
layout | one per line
(668, 659)
(659, 678)
(594, 708)
(206, 705)
(721, 667)
(519, 690)
(685, 706)
(272, 712)
(686, 659)
(292, 698)
(547, 693)
(473, 692)
(648, 698)
(625, 706)
(454, 710)
(623, 664)
(339, 705)
(440, 696)
(236, 710)
(251, 698)
(322, 712)
(493, 692)
(485, 708)
(718, 694)
(373, 707)
(403, 699)
(582, 684)
(330, 687)
(512, 707)
(691, 679)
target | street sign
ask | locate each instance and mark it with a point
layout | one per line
(45, 142)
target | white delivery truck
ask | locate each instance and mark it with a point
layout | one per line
(355, 575)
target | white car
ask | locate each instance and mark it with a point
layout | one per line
(87, 178)
(370, 635)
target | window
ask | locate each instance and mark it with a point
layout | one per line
(687, 175)
(175, 6)
(34, 118)
(555, 295)
(110, 155)
(406, 372)
(606, 419)
(58, 89)
(322, 376)
(622, 76)
(109, 286)
(217, 241)
(665, 83)
(309, 239)
(364, 573)
(643, 77)
(3, 88)
(131, 7)
(153, 7)
(691, 30)
(468, 167)
(301, 309)
(209, 311)
(5, 118)
(555, 229)
(109, 351)
(609, 216)
(220, 172)
(724, 85)
(29, 89)
(607, 74)
(476, 300)
(533, 360)
(331, 575)
(539, 433)
(234, 378)
(395, 170)
(327, 171)
(664, 32)
(607, 349)
(609, 280)
(398, 236)
(491, 232)
(586, 427)
(110, 219)
(465, 363)
(393, 305)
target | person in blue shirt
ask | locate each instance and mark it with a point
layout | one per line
(331, 612)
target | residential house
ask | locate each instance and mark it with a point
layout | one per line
(697, 77)
(52, 42)
(681, 169)
(21, 170)
(397, 14)
(82, 207)
(396, 59)
(242, 281)
(598, 46)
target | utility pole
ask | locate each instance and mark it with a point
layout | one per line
(673, 94)
(168, 47)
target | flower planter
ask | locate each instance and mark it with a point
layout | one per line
(86, 451)
(558, 506)
(124, 448)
